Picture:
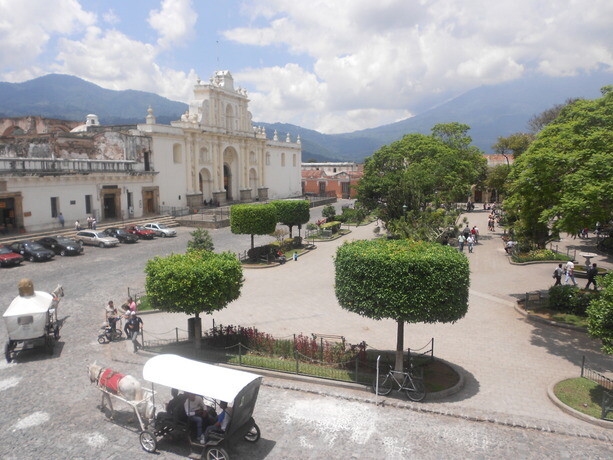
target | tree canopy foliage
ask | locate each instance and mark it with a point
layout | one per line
(195, 282)
(600, 315)
(403, 280)
(513, 145)
(292, 212)
(201, 241)
(253, 219)
(538, 122)
(563, 181)
(421, 171)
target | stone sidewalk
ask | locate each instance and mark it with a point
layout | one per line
(508, 362)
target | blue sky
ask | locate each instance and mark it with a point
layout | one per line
(334, 66)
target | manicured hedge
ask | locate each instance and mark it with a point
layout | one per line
(600, 315)
(292, 212)
(402, 280)
(569, 299)
(253, 219)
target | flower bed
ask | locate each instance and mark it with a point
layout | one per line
(538, 255)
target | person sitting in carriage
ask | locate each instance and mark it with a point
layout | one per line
(221, 424)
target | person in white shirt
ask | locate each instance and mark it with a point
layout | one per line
(194, 409)
(570, 272)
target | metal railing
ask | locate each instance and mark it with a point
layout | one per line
(605, 382)
(49, 166)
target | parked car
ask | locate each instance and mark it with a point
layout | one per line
(140, 231)
(32, 251)
(8, 258)
(96, 238)
(122, 235)
(62, 245)
(160, 229)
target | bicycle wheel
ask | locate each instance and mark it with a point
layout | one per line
(418, 392)
(385, 384)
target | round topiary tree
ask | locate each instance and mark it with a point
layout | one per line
(194, 283)
(292, 212)
(253, 219)
(403, 280)
(600, 315)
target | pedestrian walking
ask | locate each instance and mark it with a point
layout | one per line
(461, 241)
(591, 277)
(557, 275)
(570, 272)
(77, 226)
(471, 242)
(60, 218)
(133, 326)
(295, 257)
(94, 223)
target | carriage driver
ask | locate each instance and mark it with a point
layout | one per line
(196, 413)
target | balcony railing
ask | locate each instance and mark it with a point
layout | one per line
(46, 166)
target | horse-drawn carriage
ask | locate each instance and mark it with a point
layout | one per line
(214, 383)
(31, 320)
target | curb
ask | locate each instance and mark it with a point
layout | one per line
(575, 413)
(538, 319)
(430, 396)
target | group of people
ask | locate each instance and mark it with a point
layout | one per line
(92, 223)
(133, 323)
(190, 407)
(468, 237)
(569, 272)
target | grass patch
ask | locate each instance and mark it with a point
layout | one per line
(581, 394)
(144, 304)
(556, 316)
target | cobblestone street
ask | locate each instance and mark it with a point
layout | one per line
(50, 409)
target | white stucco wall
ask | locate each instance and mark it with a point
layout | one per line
(283, 181)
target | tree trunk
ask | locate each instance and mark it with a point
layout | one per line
(197, 332)
(290, 230)
(400, 347)
(252, 241)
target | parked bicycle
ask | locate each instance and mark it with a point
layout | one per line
(405, 381)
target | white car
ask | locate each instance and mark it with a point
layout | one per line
(96, 238)
(160, 229)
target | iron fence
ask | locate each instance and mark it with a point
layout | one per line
(605, 382)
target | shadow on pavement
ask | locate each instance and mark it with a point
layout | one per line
(570, 345)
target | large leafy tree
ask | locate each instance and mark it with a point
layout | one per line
(193, 283)
(421, 171)
(292, 212)
(403, 280)
(253, 219)
(563, 181)
(512, 146)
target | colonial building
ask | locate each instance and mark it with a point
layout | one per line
(331, 178)
(213, 152)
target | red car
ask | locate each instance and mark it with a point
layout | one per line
(8, 258)
(140, 231)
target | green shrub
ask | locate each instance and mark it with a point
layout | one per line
(569, 299)
(258, 252)
(333, 226)
(600, 315)
(328, 212)
(537, 255)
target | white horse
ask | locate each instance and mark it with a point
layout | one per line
(124, 386)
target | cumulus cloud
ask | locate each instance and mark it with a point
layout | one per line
(378, 60)
(174, 22)
(111, 59)
(27, 27)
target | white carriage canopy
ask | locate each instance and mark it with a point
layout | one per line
(26, 316)
(198, 378)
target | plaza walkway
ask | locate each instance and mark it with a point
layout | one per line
(508, 361)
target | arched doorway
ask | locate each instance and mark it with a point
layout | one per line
(230, 173)
(206, 184)
(253, 182)
(227, 181)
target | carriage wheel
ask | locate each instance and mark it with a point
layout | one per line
(148, 441)
(101, 339)
(56, 332)
(8, 349)
(216, 453)
(253, 435)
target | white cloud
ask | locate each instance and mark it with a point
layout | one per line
(111, 18)
(174, 22)
(112, 60)
(373, 60)
(27, 27)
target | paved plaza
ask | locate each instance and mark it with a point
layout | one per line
(49, 407)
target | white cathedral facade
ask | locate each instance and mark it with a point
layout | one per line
(213, 153)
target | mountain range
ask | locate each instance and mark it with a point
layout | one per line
(491, 111)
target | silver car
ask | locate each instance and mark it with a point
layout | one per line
(160, 229)
(95, 238)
